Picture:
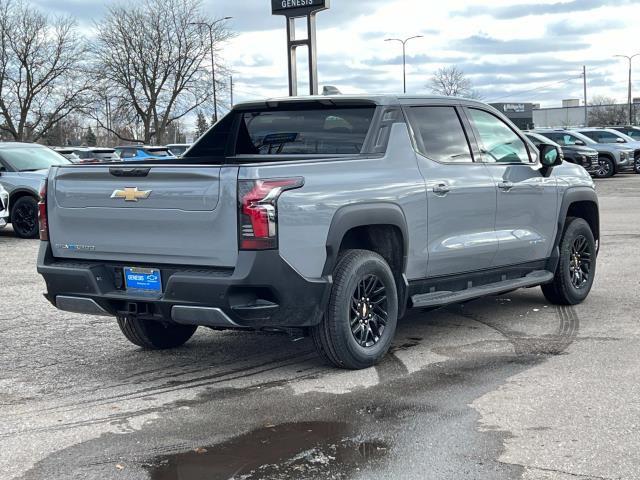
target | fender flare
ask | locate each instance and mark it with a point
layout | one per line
(360, 215)
(571, 196)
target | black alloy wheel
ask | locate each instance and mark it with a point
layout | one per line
(369, 311)
(24, 217)
(580, 262)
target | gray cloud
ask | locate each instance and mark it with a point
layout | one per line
(484, 44)
(523, 10)
(569, 28)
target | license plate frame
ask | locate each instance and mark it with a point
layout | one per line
(142, 280)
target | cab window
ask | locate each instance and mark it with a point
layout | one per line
(499, 143)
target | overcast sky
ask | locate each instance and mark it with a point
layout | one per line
(514, 50)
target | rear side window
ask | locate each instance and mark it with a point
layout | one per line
(311, 131)
(608, 137)
(443, 138)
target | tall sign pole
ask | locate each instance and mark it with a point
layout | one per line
(586, 105)
(308, 9)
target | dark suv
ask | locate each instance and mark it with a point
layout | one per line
(580, 155)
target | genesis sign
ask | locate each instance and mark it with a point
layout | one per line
(297, 7)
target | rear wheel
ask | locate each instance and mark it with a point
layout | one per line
(24, 217)
(577, 266)
(636, 165)
(153, 335)
(360, 320)
(606, 168)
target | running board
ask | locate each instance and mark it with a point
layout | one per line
(439, 299)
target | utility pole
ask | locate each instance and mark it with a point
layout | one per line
(629, 58)
(210, 26)
(404, 57)
(586, 105)
(231, 88)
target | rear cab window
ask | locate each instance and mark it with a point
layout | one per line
(265, 134)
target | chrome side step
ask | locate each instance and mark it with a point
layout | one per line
(83, 305)
(202, 316)
(439, 299)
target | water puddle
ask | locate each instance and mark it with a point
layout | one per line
(294, 450)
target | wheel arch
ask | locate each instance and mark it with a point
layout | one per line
(18, 193)
(581, 202)
(380, 227)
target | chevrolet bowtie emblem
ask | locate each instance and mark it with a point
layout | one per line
(131, 194)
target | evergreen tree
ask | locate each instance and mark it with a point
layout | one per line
(201, 124)
(90, 138)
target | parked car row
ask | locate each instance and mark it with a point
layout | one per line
(608, 151)
(125, 153)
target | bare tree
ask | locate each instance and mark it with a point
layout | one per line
(452, 82)
(41, 71)
(604, 111)
(150, 58)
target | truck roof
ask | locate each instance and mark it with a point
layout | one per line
(377, 99)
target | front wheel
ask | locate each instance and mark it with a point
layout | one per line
(606, 168)
(577, 266)
(153, 335)
(360, 320)
(24, 217)
(636, 165)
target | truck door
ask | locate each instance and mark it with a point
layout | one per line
(461, 194)
(526, 217)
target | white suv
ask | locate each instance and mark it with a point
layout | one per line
(4, 206)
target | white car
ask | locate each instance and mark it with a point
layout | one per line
(4, 207)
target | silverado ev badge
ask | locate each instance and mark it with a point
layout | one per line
(131, 194)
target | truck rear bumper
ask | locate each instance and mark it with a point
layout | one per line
(263, 291)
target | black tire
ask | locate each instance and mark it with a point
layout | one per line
(636, 165)
(24, 217)
(574, 276)
(605, 169)
(356, 335)
(153, 335)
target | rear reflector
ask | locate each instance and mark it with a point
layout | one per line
(258, 211)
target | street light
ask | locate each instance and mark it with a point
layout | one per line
(210, 26)
(630, 99)
(404, 56)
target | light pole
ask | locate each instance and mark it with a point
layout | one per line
(404, 56)
(210, 26)
(630, 99)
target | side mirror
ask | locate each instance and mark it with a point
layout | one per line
(620, 140)
(550, 157)
(579, 143)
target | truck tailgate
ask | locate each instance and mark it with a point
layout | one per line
(178, 215)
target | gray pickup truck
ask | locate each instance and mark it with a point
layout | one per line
(328, 216)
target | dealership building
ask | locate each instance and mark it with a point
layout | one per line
(519, 113)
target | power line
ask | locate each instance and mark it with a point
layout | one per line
(511, 94)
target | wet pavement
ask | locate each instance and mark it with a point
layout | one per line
(505, 387)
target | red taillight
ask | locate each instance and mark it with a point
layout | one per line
(258, 211)
(43, 221)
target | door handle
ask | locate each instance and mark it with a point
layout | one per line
(506, 186)
(441, 189)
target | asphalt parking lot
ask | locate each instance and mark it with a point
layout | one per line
(504, 387)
